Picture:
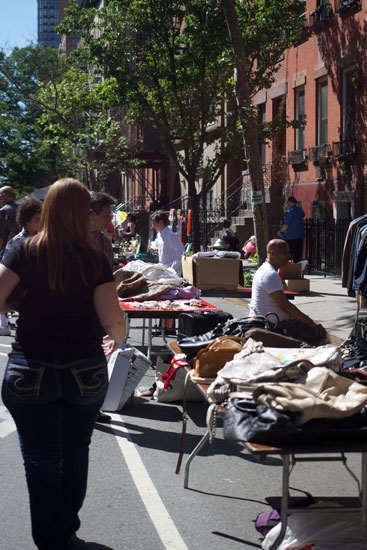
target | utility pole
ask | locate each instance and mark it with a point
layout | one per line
(248, 123)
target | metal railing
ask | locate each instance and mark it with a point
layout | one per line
(323, 245)
(345, 148)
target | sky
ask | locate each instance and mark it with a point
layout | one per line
(18, 23)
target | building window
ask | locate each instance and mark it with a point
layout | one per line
(299, 102)
(322, 112)
(209, 200)
(349, 104)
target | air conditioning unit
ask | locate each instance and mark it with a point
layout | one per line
(298, 160)
(319, 153)
(323, 12)
(345, 149)
(320, 172)
(343, 5)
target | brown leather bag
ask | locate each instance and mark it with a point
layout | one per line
(273, 339)
(211, 359)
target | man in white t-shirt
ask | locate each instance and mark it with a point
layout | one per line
(268, 297)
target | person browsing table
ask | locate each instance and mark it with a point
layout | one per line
(268, 298)
(170, 248)
(56, 377)
(100, 216)
(28, 217)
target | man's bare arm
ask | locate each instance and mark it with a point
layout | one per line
(290, 309)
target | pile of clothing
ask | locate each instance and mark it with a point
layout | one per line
(142, 281)
(277, 396)
(354, 352)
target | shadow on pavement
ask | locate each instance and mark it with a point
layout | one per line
(96, 546)
(236, 539)
(168, 441)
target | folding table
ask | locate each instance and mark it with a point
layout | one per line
(178, 306)
(291, 454)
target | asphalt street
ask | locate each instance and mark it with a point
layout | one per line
(136, 501)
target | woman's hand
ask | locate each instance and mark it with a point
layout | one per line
(109, 345)
(110, 316)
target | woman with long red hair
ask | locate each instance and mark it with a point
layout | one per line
(56, 377)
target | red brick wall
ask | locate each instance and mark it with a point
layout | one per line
(335, 44)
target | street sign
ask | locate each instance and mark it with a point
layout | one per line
(257, 197)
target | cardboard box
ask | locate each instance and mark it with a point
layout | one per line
(291, 271)
(298, 285)
(212, 273)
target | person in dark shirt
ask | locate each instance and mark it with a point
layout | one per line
(100, 216)
(294, 230)
(56, 377)
(8, 212)
(28, 217)
(131, 227)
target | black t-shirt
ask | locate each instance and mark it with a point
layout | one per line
(55, 324)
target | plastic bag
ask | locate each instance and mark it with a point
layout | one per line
(176, 390)
(155, 272)
(325, 530)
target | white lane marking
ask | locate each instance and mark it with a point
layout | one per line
(5, 345)
(158, 513)
(3, 354)
(7, 425)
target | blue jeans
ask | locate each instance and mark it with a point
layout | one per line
(55, 407)
(296, 329)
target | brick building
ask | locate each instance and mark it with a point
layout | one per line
(321, 83)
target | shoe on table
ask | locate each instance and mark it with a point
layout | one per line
(103, 418)
(5, 331)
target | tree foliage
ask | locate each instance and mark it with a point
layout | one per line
(27, 158)
(80, 116)
(173, 65)
(168, 78)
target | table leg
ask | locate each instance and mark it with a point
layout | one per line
(364, 494)
(143, 335)
(285, 498)
(149, 350)
(201, 443)
(127, 327)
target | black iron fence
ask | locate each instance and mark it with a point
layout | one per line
(324, 243)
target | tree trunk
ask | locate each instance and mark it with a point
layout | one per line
(195, 221)
(251, 143)
(92, 179)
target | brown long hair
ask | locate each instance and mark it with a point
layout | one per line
(64, 225)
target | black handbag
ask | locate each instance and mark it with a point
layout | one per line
(234, 327)
(244, 420)
(193, 323)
